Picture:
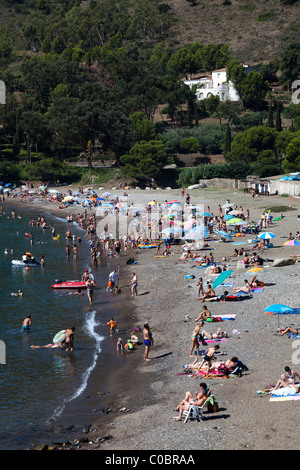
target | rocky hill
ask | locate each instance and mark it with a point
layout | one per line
(255, 30)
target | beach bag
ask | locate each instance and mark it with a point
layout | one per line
(213, 408)
(109, 283)
(212, 405)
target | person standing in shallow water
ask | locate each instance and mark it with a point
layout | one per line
(148, 340)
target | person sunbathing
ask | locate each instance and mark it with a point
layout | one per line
(218, 335)
(197, 400)
(246, 288)
(204, 315)
(215, 269)
(290, 378)
(208, 294)
(290, 329)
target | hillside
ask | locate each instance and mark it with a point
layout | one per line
(100, 80)
(255, 31)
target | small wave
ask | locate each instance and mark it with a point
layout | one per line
(89, 329)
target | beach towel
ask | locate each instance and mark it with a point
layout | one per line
(257, 289)
(223, 317)
(215, 340)
(284, 392)
(287, 398)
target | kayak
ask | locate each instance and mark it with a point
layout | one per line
(17, 262)
(69, 285)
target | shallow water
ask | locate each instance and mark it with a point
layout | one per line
(36, 384)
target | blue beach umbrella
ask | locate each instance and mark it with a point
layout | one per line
(223, 234)
(279, 309)
(221, 278)
(266, 235)
(228, 217)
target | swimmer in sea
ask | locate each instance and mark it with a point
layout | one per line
(26, 323)
(50, 346)
(17, 294)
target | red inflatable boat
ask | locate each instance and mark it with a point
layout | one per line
(69, 285)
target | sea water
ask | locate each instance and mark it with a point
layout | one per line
(36, 384)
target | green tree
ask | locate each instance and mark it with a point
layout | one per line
(144, 128)
(145, 160)
(212, 105)
(227, 140)
(253, 90)
(291, 160)
(290, 64)
(278, 125)
(248, 145)
(270, 121)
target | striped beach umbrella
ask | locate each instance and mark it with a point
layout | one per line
(266, 235)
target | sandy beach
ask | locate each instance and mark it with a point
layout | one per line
(151, 390)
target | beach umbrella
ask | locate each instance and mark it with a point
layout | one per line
(228, 217)
(106, 194)
(221, 278)
(189, 224)
(292, 243)
(266, 235)
(223, 234)
(204, 214)
(235, 221)
(175, 207)
(67, 198)
(236, 212)
(228, 204)
(198, 232)
(7, 185)
(167, 232)
(173, 202)
(278, 309)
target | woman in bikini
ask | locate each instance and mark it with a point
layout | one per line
(197, 400)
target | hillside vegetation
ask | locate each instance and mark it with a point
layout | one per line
(102, 80)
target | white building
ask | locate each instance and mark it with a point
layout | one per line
(214, 84)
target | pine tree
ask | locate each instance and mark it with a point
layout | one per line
(278, 125)
(227, 140)
(270, 121)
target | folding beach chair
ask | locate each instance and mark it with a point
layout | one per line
(195, 412)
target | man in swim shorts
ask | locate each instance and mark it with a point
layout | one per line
(148, 340)
(26, 323)
(69, 340)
